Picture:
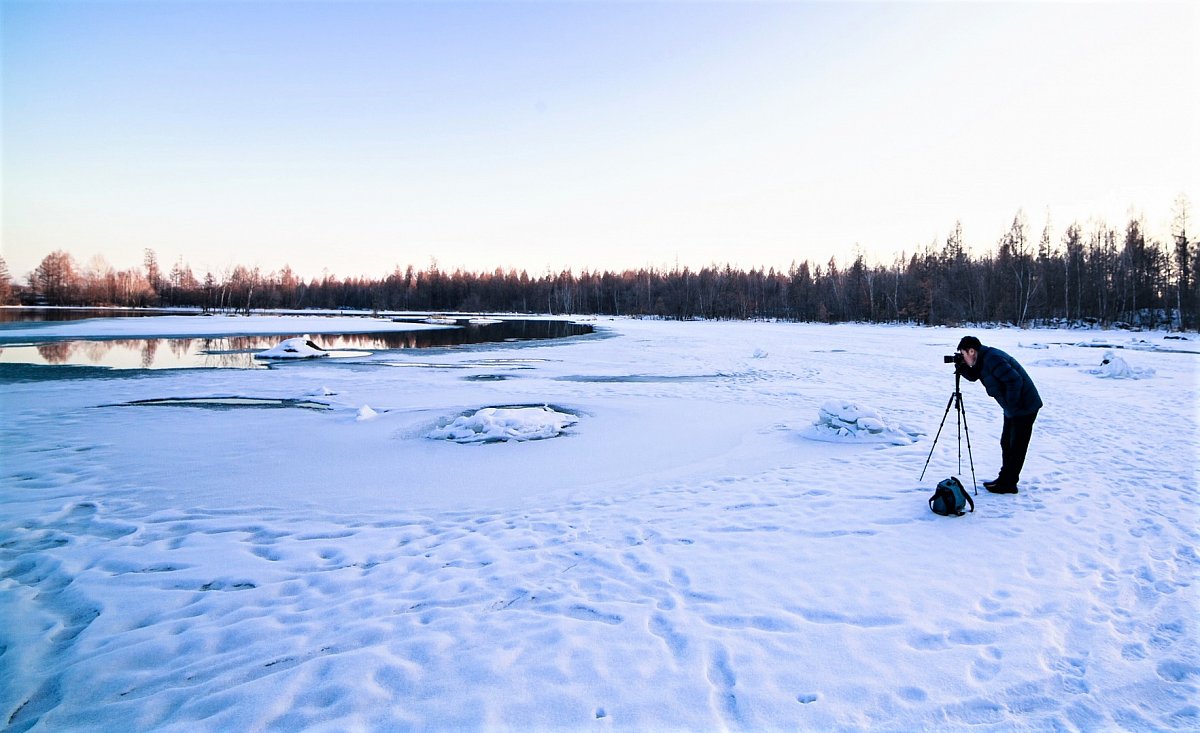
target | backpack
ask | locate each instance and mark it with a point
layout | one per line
(949, 498)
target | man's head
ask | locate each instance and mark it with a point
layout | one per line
(969, 348)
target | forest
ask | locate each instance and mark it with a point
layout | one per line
(1098, 275)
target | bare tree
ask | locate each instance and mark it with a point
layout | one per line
(153, 273)
(55, 280)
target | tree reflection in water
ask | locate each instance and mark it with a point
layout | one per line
(96, 351)
(148, 351)
(56, 353)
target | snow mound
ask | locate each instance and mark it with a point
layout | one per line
(293, 348)
(842, 421)
(1114, 367)
(496, 424)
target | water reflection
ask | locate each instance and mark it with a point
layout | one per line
(152, 353)
(237, 352)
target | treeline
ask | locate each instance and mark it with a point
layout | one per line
(1094, 275)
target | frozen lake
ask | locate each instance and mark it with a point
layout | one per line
(648, 528)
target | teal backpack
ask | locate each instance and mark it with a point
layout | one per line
(949, 498)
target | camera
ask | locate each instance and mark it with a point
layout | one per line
(955, 358)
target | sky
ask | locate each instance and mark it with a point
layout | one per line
(357, 137)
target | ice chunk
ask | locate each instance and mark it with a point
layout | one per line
(846, 421)
(293, 348)
(496, 424)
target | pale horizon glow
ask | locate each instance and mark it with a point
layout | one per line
(356, 137)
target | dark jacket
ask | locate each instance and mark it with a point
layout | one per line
(1005, 380)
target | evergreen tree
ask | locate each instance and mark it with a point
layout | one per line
(1186, 300)
(6, 289)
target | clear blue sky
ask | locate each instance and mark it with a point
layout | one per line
(358, 136)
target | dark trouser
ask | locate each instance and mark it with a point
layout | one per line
(1014, 442)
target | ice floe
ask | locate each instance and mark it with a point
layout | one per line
(293, 348)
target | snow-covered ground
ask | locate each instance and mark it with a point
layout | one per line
(665, 546)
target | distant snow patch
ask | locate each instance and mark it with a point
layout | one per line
(1136, 344)
(499, 424)
(842, 421)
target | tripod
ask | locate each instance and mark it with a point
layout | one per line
(961, 421)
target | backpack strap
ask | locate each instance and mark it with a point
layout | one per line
(965, 494)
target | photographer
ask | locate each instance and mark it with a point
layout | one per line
(1005, 381)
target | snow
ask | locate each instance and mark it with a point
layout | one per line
(680, 557)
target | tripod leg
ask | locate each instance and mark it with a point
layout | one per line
(963, 411)
(935, 437)
(958, 424)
